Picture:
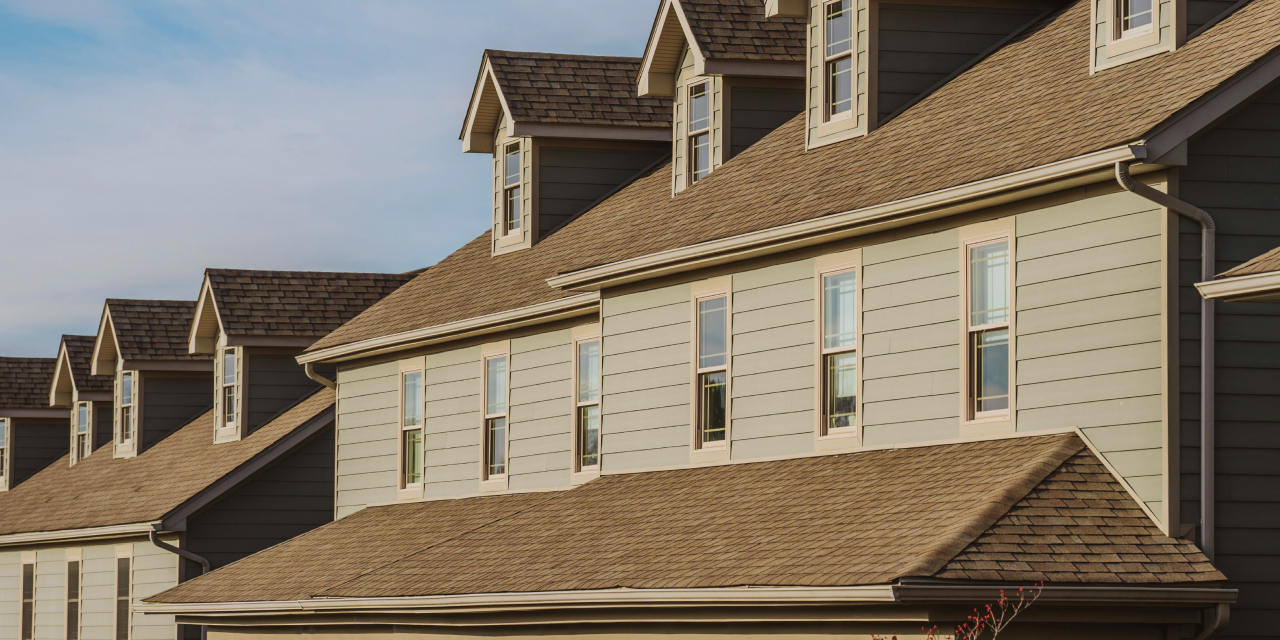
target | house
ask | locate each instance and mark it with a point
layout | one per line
(208, 442)
(933, 337)
(31, 433)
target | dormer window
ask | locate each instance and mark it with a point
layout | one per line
(4, 449)
(699, 131)
(1135, 18)
(511, 188)
(127, 430)
(83, 443)
(838, 50)
(229, 381)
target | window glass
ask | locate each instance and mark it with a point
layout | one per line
(991, 370)
(511, 168)
(82, 418)
(589, 436)
(4, 444)
(712, 401)
(588, 371)
(699, 107)
(496, 387)
(699, 156)
(412, 456)
(123, 576)
(413, 398)
(513, 210)
(840, 312)
(842, 390)
(712, 332)
(73, 600)
(989, 284)
(1135, 14)
(229, 366)
(497, 446)
(841, 86)
(126, 388)
(839, 29)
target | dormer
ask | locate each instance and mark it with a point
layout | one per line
(158, 385)
(253, 324)
(565, 131)
(735, 70)
(87, 396)
(32, 434)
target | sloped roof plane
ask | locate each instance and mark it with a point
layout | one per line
(24, 383)
(146, 331)
(72, 371)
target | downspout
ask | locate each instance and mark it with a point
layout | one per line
(1207, 267)
(204, 566)
(310, 369)
(1220, 615)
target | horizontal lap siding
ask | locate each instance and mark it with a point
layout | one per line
(756, 111)
(571, 178)
(10, 594)
(1200, 12)
(1234, 174)
(368, 399)
(1089, 330)
(541, 413)
(454, 386)
(170, 403)
(276, 382)
(51, 594)
(98, 592)
(154, 570)
(646, 379)
(36, 443)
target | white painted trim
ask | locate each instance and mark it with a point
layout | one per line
(481, 325)
(589, 132)
(112, 531)
(197, 343)
(644, 85)
(1258, 287)
(104, 324)
(833, 227)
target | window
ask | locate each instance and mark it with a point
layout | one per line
(838, 54)
(128, 419)
(511, 189)
(73, 600)
(988, 329)
(84, 431)
(1134, 17)
(839, 352)
(495, 418)
(28, 599)
(713, 371)
(411, 409)
(229, 388)
(587, 445)
(4, 449)
(123, 596)
(699, 131)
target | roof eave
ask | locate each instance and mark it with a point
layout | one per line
(658, 78)
(474, 137)
(206, 323)
(64, 535)
(1257, 287)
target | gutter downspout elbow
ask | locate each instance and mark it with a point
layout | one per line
(1208, 258)
(204, 564)
(1221, 616)
(310, 370)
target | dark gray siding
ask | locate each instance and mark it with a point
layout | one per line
(102, 424)
(921, 45)
(285, 501)
(170, 402)
(571, 178)
(275, 383)
(1234, 174)
(36, 444)
(755, 111)
(1200, 12)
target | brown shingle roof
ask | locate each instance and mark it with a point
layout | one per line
(1029, 104)
(572, 89)
(102, 490)
(153, 329)
(79, 354)
(840, 520)
(739, 30)
(24, 382)
(1267, 262)
(295, 303)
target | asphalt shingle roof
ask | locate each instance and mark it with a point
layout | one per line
(739, 30)
(153, 329)
(571, 89)
(1267, 262)
(24, 382)
(79, 354)
(295, 303)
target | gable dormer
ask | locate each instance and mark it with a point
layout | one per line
(87, 396)
(735, 70)
(32, 434)
(158, 385)
(253, 324)
(564, 131)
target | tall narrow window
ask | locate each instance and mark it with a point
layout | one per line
(511, 189)
(495, 417)
(73, 600)
(123, 595)
(713, 370)
(1135, 17)
(840, 351)
(988, 329)
(588, 394)
(699, 131)
(838, 54)
(126, 434)
(84, 441)
(4, 449)
(411, 428)
(28, 599)
(229, 385)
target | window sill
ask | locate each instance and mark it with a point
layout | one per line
(842, 441)
(994, 426)
(583, 477)
(708, 456)
(493, 485)
(510, 240)
(411, 492)
(1133, 43)
(124, 451)
(835, 126)
(226, 434)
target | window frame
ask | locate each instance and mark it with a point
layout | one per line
(829, 60)
(72, 623)
(225, 432)
(124, 553)
(495, 481)
(126, 434)
(1119, 41)
(691, 173)
(583, 335)
(27, 597)
(6, 447)
(408, 490)
(702, 452)
(824, 267)
(81, 441)
(512, 190)
(974, 423)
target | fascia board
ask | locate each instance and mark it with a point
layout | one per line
(93, 533)
(104, 325)
(63, 363)
(55, 413)
(206, 301)
(932, 592)
(486, 77)
(755, 69)
(937, 204)
(665, 11)
(287, 342)
(589, 132)
(1241, 288)
(199, 366)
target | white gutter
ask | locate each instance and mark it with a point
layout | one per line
(1207, 270)
(1242, 288)
(513, 319)
(837, 226)
(113, 531)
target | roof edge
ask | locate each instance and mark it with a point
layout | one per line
(92, 533)
(1254, 287)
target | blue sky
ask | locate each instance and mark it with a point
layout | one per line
(143, 141)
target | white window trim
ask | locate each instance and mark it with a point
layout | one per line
(28, 558)
(74, 555)
(77, 450)
(127, 448)
(236, 430)
(1114, 45)
(582, 334)
(690, 132)
(826, 127)
(993, 422)
(827, 118)
(718, 452)
(412, 491)
(122, 551)
(850, 438)
(510, 236)
(495, 482)
(6, 452)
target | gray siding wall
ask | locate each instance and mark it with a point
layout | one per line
(287, 500)
(36, 444)
(454, 384)
(1234, 174)
(103, 424)
(366, 440)
(756, 111)
(1200, 12)
(921, 45)
(541, 413)
(275, 383)
(572, 178)
(170, 402)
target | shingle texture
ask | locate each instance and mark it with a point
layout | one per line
(739, 30)
(1031, 103)
(1267, 262)
(554, 88)
(102, 490)
(866, 518)
(153, 329)
(79, 354)
(295, 303)
(24, 382)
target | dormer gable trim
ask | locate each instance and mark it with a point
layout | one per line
(485, 109)
(105, 351)
(206, 326)
(63, 388)
(667, 39)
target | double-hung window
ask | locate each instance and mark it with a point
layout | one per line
(128, 406)
(4, 450)
(229, 388)
(511, 189)
(987, 332)
(838, 58)
(84, 431)
(495, 417)
(124, 594)
(839, 352)
(73, 599)
(699, 131)
(28, 612)
(587, 440)
(411, 410)
(1133, 18)
(712, 371)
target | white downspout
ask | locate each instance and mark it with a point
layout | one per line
(1208, 232)
(310, 370)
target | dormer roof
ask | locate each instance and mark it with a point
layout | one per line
(562, 96)
(72, 372)
(282, 308)
(727, 37)
(146, 334)
(24, 383)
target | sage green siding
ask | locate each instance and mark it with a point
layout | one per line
(10, 594)
(454, 386)
(541, 412)
(365, 473)
(97, 592)
(154, 570)
(816, 74)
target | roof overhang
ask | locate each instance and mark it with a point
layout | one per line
(487, 106)
(661, 62)
(56, 414)
(206, 325)
(1259, 287)
(63, 389)
(93, 533)
(786, 8)
(587, 132)
(105, 350)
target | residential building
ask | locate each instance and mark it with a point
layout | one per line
(31, 433)
(89, 397)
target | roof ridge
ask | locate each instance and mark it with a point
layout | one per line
(298, 272)
(561, 56)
